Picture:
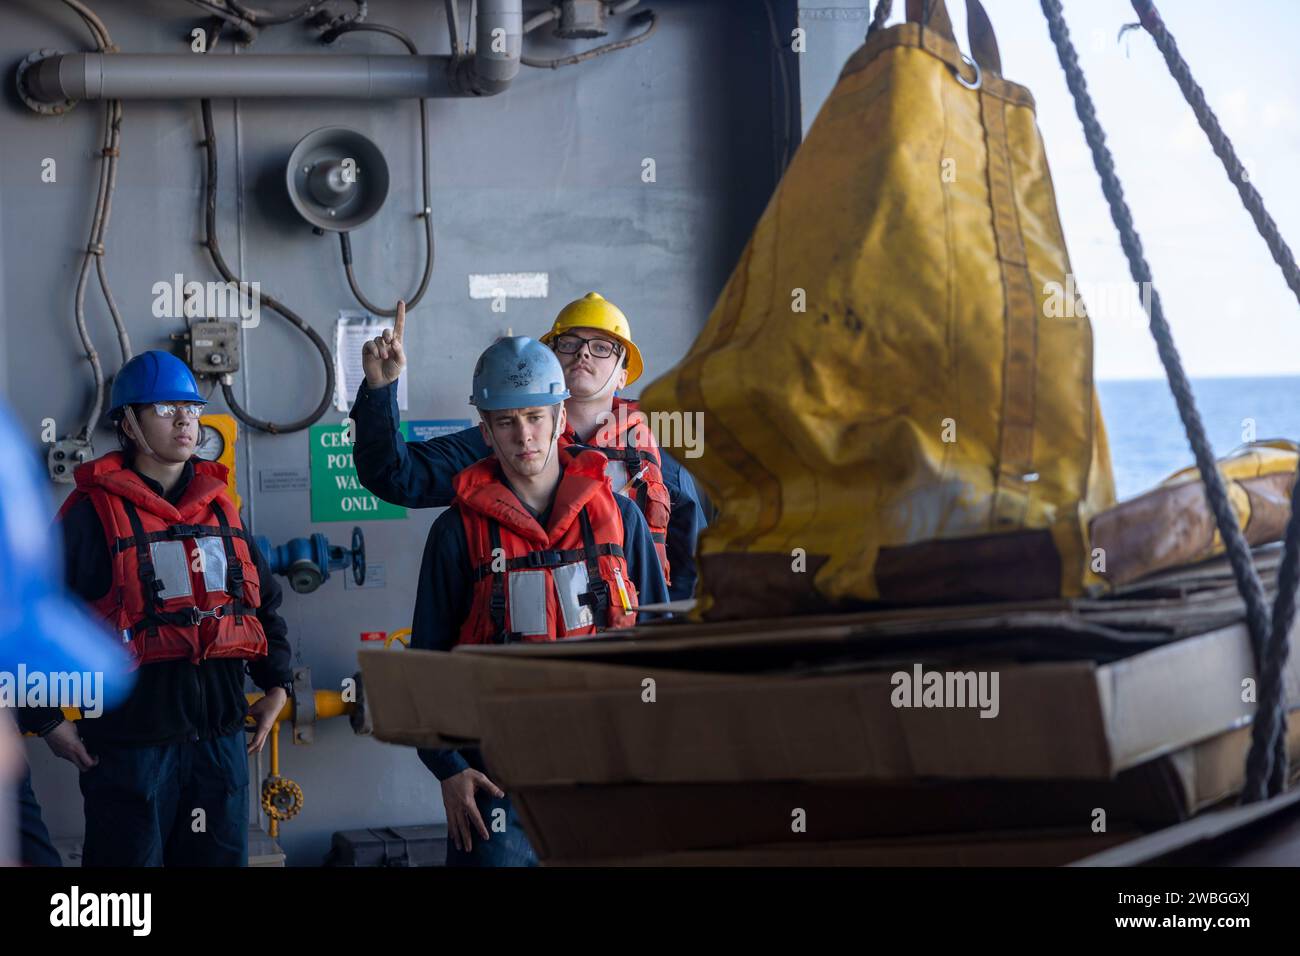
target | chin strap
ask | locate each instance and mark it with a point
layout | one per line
(612, 373)
(555, 436)
(139, 432)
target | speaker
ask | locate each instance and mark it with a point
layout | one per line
(337, 178)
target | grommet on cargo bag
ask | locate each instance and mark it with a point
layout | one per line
(979, 75)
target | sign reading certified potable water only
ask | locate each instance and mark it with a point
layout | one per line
(336, 492)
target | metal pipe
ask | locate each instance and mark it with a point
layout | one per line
(273, 830)
(169, 76)
(498, 47)
(329, 703)
(166, 76)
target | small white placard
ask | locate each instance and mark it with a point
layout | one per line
(375, 577)
(283, 479)
(353, 331)
(513, 285)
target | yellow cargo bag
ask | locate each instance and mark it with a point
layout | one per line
(896, 402)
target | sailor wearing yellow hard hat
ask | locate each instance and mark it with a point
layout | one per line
(593, 315)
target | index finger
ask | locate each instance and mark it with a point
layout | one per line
(476, 820)
(399, 324)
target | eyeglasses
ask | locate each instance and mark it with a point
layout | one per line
(601, 348)
(172, 409)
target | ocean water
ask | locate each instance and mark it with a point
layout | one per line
(1147, 441)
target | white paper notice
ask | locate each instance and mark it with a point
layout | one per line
(509, 285)
(354, 330)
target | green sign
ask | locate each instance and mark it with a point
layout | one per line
(336, 492)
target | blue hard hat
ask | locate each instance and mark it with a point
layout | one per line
(153, 376)
(517, 372)
(41, 628)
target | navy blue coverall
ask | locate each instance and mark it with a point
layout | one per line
(177, 743)
(443, 601)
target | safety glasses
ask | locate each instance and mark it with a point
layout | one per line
(601, 348)
(173, 409)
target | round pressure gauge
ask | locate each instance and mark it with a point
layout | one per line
(211, 443)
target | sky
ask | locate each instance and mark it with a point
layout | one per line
(1230, 309)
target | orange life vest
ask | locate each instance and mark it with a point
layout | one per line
(564, 580)
(184, 583)
(633, 455)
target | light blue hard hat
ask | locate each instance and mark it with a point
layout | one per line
(153, 376)
(517, 372)
(41, 628)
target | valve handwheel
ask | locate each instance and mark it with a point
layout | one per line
(358, 556)
(282, 799)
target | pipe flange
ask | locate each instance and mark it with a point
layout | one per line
(40, 106)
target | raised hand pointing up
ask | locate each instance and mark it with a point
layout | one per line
(382, 358)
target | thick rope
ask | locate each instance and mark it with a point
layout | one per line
(1259, 766)
(1272, 695)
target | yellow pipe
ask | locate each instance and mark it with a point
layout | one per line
(329, 703)
(275, 771)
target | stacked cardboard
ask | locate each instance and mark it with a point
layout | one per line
(813, 740)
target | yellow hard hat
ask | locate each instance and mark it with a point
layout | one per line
(593, 312)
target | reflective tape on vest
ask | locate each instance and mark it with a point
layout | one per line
(171, 569)
(618, 477)
(571, 584)
(213, 551)
(526, 591)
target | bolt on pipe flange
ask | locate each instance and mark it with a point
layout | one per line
(56, 108)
